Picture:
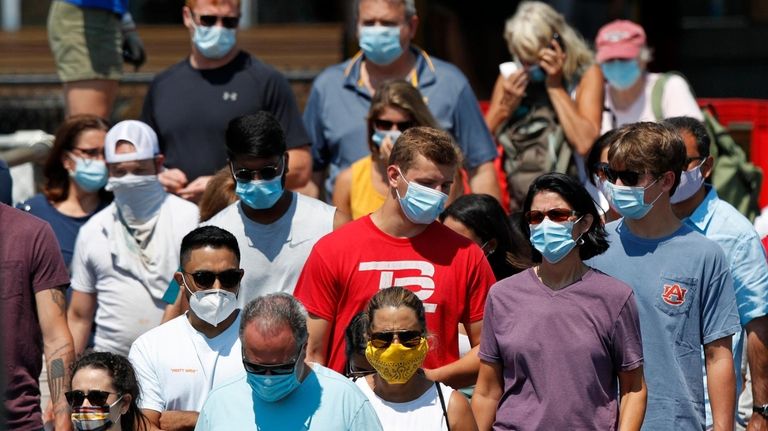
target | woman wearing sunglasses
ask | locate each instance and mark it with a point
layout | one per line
(558, 337)
(397, 106)
(104, 394)
(400, 393)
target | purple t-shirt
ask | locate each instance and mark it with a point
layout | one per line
(560, 350)
(30, 262)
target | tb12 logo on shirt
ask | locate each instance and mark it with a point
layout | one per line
(423, 280)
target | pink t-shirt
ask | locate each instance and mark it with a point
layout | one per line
(448, 272)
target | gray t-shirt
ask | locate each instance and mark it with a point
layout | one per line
(560, 350)
(685, 299)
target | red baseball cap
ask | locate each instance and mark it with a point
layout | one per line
(619, 39)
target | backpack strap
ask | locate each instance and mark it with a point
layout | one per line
(656, 95)
(442, 404)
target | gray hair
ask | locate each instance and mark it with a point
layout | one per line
(410, 8)
(274, 310)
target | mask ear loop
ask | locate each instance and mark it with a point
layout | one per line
(580, 240)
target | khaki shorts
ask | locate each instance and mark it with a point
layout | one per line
(86, 42)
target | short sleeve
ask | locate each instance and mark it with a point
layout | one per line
(470, 130)
(83, 278)
(282, 104)
(720, 317)
(749, 270)
(678, 100)
(317, 288)
(489, 346)
(47, 265)
(203, 421)
(365, 419)
(626, 342)
(151, 391)
(480, 280)
(313, 123)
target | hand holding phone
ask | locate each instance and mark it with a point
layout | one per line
(556, 37)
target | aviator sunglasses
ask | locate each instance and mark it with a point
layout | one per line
(229, 278)
(382, 340)
(95, 398)
(210, 20)
(557, 215)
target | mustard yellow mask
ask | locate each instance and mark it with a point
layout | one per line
(396, 364)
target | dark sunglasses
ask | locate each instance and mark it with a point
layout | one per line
(558, 215)
(95, 398)
(276, 369)
(381, 340)
(248, 175)
(229, 278)
(210, 20)
(387, 125)
(628, 178)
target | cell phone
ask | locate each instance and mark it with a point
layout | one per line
(556, 36)
(508, 68)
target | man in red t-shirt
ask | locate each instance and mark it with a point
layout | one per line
(401, 244)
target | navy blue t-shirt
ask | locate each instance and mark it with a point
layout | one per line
(64, 226)
(191, 108)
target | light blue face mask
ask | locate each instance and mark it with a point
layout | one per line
(629, 201)
(553, 240)
(421, 205)
(379, 135)
(274, 387)
(90, 175)
(621, 74)
(214, 42)
(260, 194)
(381, 44)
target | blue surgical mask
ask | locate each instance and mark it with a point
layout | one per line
(90, 175)
(214, 42)
(536, 73)
(421, 205)
(553, 240)
(260, 194)
(273, 387)
(381, 44)
(621, 74)
(379, 135)
(629, 201)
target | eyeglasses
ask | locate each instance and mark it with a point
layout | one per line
(91, 153)
(628, 178)
(558, 215)
(276, 369)
(95, 398)
(387, 125)
(229, 278)
(381, 340)
(210, 20)
(265, 173)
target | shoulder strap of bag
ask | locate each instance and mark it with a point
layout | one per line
(656, 95)
(442, 404)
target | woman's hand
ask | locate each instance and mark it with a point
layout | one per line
(506, 97)
(552, 59)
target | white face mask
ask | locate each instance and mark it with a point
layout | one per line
(211, 305)
(139, 197)
(690, 183)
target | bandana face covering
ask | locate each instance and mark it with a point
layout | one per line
(396, 364)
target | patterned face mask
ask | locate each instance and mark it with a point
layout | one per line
(396, 364)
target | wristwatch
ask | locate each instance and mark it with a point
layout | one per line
(762, 410)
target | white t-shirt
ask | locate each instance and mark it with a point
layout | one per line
(676, 101)
(125, 306)
(273, 255)
(424, 413)
(177, 366)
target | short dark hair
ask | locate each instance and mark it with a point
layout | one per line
(435, 145)
(573, 192)
(696, 128)
(355, 336)
(257, 135)
(593, 158)
(486, 218)
(208, 236)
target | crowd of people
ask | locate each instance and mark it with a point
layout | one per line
(224, 263)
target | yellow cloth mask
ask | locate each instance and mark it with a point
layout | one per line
(396, 364)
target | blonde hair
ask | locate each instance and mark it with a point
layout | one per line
(532, 28)
(396, 93)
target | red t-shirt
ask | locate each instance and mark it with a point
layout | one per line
(30, 262)
(448, 272)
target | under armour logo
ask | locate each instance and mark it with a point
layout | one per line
(229, 96)
(674, 294)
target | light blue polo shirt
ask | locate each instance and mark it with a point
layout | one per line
(336, 111)
(725, 225)
(325, 400)
(685, 299)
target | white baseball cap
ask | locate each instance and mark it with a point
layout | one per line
(137, 133)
